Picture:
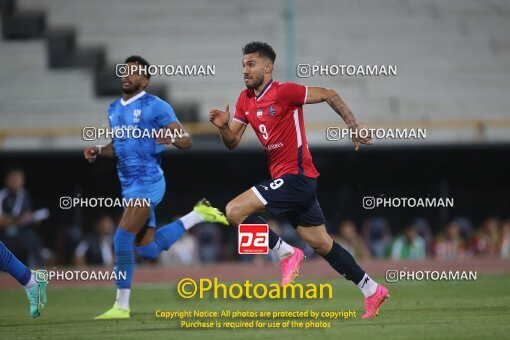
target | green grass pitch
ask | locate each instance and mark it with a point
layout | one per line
(416, 310)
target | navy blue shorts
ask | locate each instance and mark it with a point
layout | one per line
(294, 196)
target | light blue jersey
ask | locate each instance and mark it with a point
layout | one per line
(139, 159)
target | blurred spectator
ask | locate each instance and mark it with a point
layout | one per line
(465, 228)
(97, 247)
(67, 239)
(349, 238)
(450, 244)
(185, 252)
(505, 240)
(377, 235)
(423, 228)
(17, 228)
(487, 240)
(409, 246)
(208, 236)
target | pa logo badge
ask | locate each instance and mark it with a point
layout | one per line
(271, 110)
(253, 239)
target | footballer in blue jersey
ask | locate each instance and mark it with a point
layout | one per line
(139, 156)
(142, 124)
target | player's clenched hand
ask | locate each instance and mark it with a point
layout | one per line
(165, 140)
(219, 118)
(361, 137)
(90, 153)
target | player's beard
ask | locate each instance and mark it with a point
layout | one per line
(257, 83)
(132, 89)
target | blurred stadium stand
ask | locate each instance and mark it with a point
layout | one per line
(452, 60)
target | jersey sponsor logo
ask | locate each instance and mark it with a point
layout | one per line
(136, 115)
(253, 239)
(271, 110)
(274, 146)
(259, 112)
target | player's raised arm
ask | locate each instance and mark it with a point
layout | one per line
(176, 136)
(92, 152)
(321, 94)
(232, 133)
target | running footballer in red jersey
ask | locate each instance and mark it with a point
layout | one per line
(276, 115)
(275, 112)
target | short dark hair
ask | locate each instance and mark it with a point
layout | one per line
(140, 61)
(13, 168)
(264, 49)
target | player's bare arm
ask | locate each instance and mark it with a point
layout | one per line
(92, 152)
(180, 142)
(320, 94)
(230, 134)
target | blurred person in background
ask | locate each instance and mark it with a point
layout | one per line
(449, 244)
(377, 235)
(184, 252)
(209, 237)
(486, 241)
(349, 238)
(423, 228)
(17, 219)
(465, 228)
(505, 240)
(97, 247)
(409, 246)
